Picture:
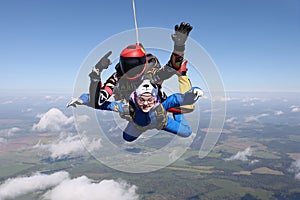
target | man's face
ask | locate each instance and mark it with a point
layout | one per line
(146, 102)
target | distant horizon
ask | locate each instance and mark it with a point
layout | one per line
(70, 92)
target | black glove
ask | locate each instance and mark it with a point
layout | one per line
(180, 36)
(102, 64)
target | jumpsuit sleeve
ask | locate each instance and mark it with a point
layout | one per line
(178, 99)
(106, 90)
(112, 106)
(100, 93)
(169, 69)
(172, 101)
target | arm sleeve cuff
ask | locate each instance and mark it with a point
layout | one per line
(179, 48)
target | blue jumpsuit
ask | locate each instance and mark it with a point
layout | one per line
(177, 125)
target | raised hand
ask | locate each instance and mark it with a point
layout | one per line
(104, 62)
(180, 36)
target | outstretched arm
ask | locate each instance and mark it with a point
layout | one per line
(103, 93)
(187, 98)
(176, 63)
(112, 106)
(100, 93)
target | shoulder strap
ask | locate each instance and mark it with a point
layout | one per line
(161, 117)
(128, 113)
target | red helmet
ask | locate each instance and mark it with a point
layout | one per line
(133, 61)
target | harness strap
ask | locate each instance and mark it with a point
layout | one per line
(126, 114)
(161, 117)
(160, 112)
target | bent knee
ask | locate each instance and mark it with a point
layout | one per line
(185, 133)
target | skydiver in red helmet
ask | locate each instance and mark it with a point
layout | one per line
(134, 66)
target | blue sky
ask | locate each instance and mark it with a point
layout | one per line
(255, 44)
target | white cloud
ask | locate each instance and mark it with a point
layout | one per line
(295, 168)
(10, 132)
(87, 189)
(255, 118)
(296, 165)
(26, 110)
(69, 145)
(55, 121)
(250, 104)
(241, 155)
(295, 108)
(221, 99)
(48, 97)
(231, 119)
(252, 162)
(252, 99)
(207, 111)
(279, 112)
(61, 186)
(7, 102)
(15, 187)
(2, 140)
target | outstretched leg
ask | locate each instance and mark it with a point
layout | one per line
(131, 133)
(184, 86)
(94, 91)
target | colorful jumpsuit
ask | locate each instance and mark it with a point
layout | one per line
(100, 93)
(142, 121)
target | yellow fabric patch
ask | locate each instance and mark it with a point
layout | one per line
(116, 108)
(184, 86)
(110, 85)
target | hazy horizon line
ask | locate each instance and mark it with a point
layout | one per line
(70, 91)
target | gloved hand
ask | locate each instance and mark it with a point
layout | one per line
(197, 92)
(191, 96)
(74, 102)
(82, 100)
(102, 64)
(180, 36)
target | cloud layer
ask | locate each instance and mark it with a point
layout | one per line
(55, 121)
(9, 132)
(87, 189)
(295, 168)
(15, 187)
(256, 117)
(69, 145)
(61, 186)
(295, 108)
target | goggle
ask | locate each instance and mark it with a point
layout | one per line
(142, 100)
(128, 64)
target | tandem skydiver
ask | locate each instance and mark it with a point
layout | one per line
(134, 66)
(146, 111)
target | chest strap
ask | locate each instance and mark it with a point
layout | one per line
(160, 112)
